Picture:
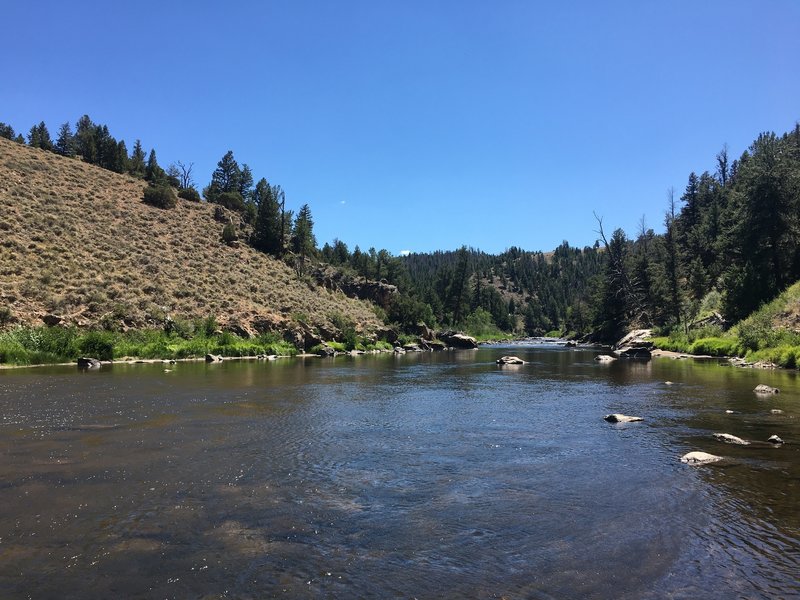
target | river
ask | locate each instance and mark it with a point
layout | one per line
(436, 475)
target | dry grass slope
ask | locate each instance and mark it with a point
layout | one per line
(77, 241)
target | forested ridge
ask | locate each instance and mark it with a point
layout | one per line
(730, 242)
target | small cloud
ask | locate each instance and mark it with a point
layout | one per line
(405, 252)
(343, 202)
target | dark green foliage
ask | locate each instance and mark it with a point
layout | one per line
(6, 131)
(161, 196)
(136, 164)
(304, 243)
(39, 137)
(65, 143)
(189, 194)
(153, 172)
(97, 344)
(226, 179)
(231, 200)
(229, 235)
(268, 229)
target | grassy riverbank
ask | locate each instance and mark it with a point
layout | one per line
(771, 334)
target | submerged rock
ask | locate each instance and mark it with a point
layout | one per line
(620, 418)
(766, 389)
(775, 440)
(730, 439)
(699, 458)
(776, 411)
(510, 360)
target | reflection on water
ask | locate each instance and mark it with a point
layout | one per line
(429, 475)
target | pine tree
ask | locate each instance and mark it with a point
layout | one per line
(226, 178)
(6, 131)
(303, 242)
(267, 230)
(86, 140)
(136, 165)
(65, 144)
(152, 172)
(39, 137)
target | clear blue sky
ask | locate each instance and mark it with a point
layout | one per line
(422, 125)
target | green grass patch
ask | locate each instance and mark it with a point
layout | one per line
(715, 346)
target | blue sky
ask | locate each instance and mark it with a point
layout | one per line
(422, 125)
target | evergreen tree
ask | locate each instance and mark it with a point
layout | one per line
(65, 143)
(6, 131)
(267, 231)
(136, 165)
(152, 172)
(303, 242)
(39, 137)
(226, 178)
(86, 140)
(245, 187)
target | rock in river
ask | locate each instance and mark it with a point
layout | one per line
(88, 363)
(766, 389)
(731, 439)
(510, 360)
(620, 418)
(699, 458)
(604, 358)
(775, 440)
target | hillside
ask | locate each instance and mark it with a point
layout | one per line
(78, 243)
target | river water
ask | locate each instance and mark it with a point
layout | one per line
(419, 476)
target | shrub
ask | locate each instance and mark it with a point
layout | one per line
(97, 344)
(160, 196)
(229, 234)
(231, 200)
(189, 194)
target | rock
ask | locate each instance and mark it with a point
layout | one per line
(423, 331)
(620, 418)
(213, 358)
(388, 334)
(88, 363)
(510, 360)
(765, 389)
(635, 345)
(326, 351)
(714, 320)
(776, 411)
(699, 458)
(458, 340)
(669, 383)
(52, 320)
(775, 440)
(436, 345)
(571, 344)
(605, 358)
(399, 350)
(412, 348)
(730, 439)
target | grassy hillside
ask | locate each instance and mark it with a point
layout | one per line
(77, 242)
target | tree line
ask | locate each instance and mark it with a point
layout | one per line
(731, 242)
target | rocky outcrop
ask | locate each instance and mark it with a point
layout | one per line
(458, 340)
(52, 320)
(620, 418)
(423, 331)
(88, 363)
(699, 458)
(730, 439)
(213, 358)
(326, 351)
(510, 360)
(636, 344)
(766, 389)
(378, 292)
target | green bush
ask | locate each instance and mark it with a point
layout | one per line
(231, 200)
(160, 196)
(229, 234)
(97, 344)
(189, 194)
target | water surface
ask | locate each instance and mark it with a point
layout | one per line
(425, 475)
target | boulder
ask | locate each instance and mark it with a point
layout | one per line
(326, 351)
(620, 418)
(730, 439)
(510, 360)
(775, 440)
(699, 458)
(765, 389)
(388, 334)
(436, 345)
(636, 344)
(213, 358)
(571, 344)
(52, 320)
(458, 340)
(399, 350)
(423, 331)
(604, 358)
(88, 363)
(776, 411)
(412, 348)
